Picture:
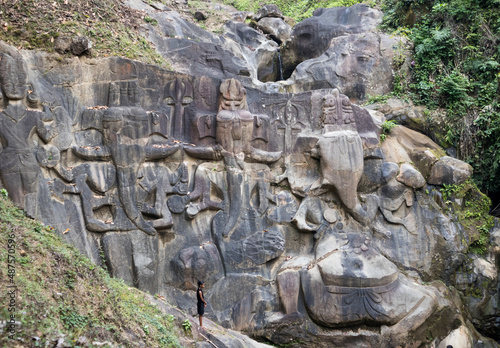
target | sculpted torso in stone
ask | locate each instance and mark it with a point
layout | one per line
(237, 127)
(19, 168)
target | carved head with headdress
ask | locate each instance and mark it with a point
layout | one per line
(233, 96)
(13, 78)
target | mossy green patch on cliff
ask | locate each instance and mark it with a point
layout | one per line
(112, 27)
(50, 291)
(472, 209)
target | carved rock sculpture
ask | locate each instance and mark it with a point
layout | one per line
(179, 94)
(341, 152)
(237, 130)
(350, 283)
(21, 115)
(311, 37)
(237, 127)
(308, 247)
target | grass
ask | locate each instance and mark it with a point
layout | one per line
(59, 293)
(113, 28)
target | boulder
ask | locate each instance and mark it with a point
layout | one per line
(460, 337)
(269, 10)
(410, 176)
(403, 112)
(261, 51)
(200, 16)
(76, 45)
(241, 16)
(62, 44)
(449, 171)
(276, 28)
(312, 37)
(405, 145)
(356, 64)
(80, 45)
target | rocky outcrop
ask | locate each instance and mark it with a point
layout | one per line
(341, 48)
(270, 21)
(305, 226)
(337, 48)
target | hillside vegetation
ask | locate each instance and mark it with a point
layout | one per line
(113, 28)
(456, 72)
(52, 294)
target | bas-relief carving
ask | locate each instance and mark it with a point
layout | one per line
(130, 176)
(22, 115)
(178, 94)
(341, 154)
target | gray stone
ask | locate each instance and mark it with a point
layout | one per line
(200, 16)
(450, 171)
(80, 45)
(286, 204)
(197, 263)
(312, 37)
(410, 176)
(241, 16)
(269, 10)
(276, 28)
(62, 44)
(117, 250)
(343, 287)
(403, 112)
(355, 64)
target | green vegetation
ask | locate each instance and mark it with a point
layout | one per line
(456, 67)
(186, 324)
(387, 127)
(472, 212)
(112, 27)
(60, 293)
(377, 99)
(298, 10)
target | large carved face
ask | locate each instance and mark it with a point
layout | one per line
(13, 78)
(233, 96)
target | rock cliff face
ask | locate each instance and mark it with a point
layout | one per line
(307, 229)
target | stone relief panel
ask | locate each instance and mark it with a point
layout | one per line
(22, 117)
(290, 196)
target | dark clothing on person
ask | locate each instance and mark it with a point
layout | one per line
(201, 304)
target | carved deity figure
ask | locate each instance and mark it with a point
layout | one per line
(126, 131)
(341, 153)
(19, 169)
(237, 130)
(237, 127)
(350, 283)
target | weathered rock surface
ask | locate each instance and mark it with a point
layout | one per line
(404, 112)
(347, 52)
(359, 65)
(306, 228)
(450, 171)
(311, 37)
(270, 11)
(277, 29)
(340, 48)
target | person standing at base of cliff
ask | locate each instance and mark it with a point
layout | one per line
(201, 301)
